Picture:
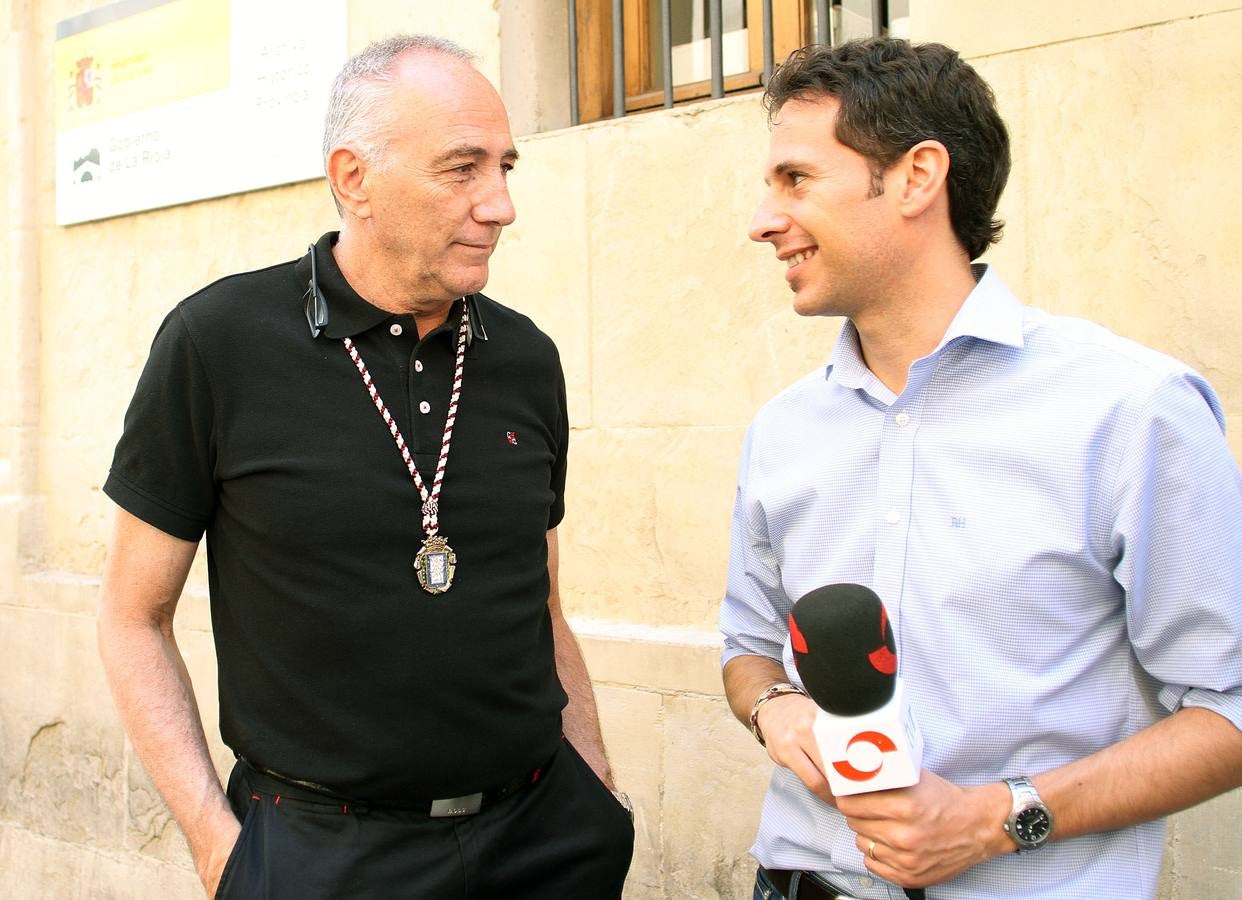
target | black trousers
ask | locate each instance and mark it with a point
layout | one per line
(565, 836)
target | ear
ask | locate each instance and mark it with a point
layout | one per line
(347, 173)
(921, 175)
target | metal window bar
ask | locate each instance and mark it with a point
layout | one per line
(768, 62)
(666, 40)
(618, 60)
(823, 23)
(574, 115)
(715, 30)
(823, 34)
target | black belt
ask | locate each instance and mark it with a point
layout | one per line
(812, 887)
(268, 782)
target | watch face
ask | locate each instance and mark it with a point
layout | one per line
(1031, 826)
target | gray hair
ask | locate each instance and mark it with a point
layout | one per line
(358, 112)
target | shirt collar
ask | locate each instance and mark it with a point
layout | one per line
(990, 312)
(348, 312)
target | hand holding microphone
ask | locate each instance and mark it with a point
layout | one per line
(784, 725)
(845, 655)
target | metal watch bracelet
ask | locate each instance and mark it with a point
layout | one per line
(776, 690)
(1030, 822)
(626, 803)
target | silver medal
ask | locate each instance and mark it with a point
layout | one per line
(435, 564)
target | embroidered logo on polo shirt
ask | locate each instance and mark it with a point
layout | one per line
(511, 437)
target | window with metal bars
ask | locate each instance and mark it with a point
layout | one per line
(631, 55)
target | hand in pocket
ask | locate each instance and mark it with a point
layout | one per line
(212, 861)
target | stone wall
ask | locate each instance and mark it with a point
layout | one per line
(630, 249)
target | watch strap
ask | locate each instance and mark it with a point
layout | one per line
(1023, 793)
(626, 803)
(1024, 796)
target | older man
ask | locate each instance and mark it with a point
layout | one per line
(1050, 513)
(376, 454)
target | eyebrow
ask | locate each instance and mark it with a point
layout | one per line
(471, 151)
(784, 168)
(787, 166)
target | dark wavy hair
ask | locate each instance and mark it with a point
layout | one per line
(894, 94)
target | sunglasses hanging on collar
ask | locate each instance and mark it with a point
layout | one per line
(316, 305)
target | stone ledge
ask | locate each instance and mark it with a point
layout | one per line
(665, 659)
(71, 593)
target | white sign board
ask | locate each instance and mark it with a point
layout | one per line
(160, 102)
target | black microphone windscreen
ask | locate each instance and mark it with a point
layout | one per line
(843, 649)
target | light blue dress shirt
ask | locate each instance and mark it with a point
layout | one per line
(1053, 519)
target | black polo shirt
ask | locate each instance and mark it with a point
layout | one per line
(334, 665)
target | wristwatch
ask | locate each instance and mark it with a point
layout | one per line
(626, 803)
(1030, 822)
(776, 690)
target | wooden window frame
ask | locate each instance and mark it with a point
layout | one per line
(791, 29)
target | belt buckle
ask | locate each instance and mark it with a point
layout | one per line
(457, 806)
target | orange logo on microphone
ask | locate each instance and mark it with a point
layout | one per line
(882, 659)
(796, 640)
(879, 740)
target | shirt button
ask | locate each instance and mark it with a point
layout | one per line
(865, 881)
(424, 407)
(394, 329)
(418, 365)
(893, 517)
(902, 419)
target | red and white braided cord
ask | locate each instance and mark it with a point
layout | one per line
(431, 501)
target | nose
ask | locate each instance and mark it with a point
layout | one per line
(767, 222)
(494, 206)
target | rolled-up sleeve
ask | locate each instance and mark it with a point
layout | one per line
(755, 608)
(1178, 532)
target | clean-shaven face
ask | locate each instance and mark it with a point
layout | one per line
(442, 197)
(819, 214)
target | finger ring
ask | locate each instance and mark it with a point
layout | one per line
(871, 852)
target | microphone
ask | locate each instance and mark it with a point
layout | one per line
(845, 655)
